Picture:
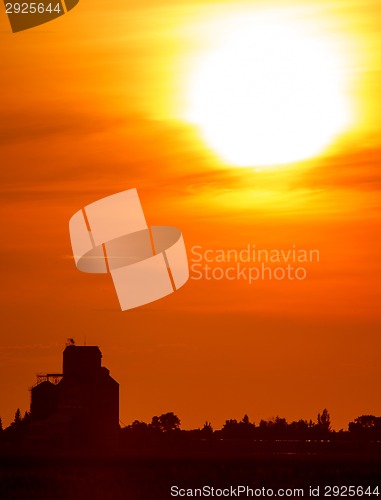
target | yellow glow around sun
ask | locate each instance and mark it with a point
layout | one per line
(272, 92)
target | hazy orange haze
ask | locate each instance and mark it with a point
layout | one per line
(91, 105)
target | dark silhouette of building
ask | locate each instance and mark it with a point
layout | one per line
(78, 408)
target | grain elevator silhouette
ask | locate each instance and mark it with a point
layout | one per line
(78, 407)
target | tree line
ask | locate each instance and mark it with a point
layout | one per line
(363, 428)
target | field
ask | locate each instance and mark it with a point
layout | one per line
(138, 476)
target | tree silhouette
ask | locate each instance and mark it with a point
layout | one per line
(18, 419)
(366, 422)
(169, 422)
(207, 430)
(300, 429)
(280, 424)
(246, 420)
(366, 427)
(26, 418)
(233, 429)
(155, 424)
(324, 421)
(138, 426)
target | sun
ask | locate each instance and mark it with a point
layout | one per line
(271, 93)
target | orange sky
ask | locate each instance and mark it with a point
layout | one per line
(91, 105)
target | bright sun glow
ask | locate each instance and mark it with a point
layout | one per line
(271, 93)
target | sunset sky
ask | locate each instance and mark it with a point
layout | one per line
(101, 100)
